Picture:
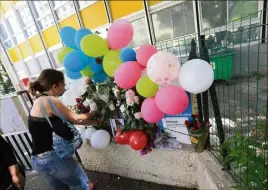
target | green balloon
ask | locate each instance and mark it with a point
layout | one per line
(87, 72)
(111, 62)
(94, 45)
(63, 52)
(146, 88)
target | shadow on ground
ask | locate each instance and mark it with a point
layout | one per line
(103, 182)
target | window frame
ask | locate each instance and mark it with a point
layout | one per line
(62, 5)
(86, 5)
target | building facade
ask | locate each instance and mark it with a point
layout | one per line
(30, 29)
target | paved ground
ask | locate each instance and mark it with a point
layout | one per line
(103, 182)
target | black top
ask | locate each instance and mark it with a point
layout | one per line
(42, 133)
(7, 158)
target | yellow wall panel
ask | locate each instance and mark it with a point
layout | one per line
(5, 6)
(94, 15)
(70, 21)
(123, 8)
(36, 44)
(51, 36)
(24, 49)
(13, 55)
(153, 2)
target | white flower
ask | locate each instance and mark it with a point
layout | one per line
(111, 106)
(136, 99)
(104, 97)
(123, 108)
(130, 93)
(87, 102)
(138, 115)
(130, 101)
(116, 93)
(93, 106)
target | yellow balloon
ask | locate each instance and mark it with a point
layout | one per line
(63, 52)
(111, 62)
(87, 72)
(146, 88)
(94, 45)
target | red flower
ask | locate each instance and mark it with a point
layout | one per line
(195, 116)
(98, 60)
(80, 106)
(199, 124)
(78, 100)
(193, 128)
(208, 124)
(187, 123)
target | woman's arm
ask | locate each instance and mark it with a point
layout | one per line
(80, 119)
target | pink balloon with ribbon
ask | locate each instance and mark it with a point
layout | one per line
(150, 111)
(172, 100)
(128, 74)
(144, 53)
(119, 34)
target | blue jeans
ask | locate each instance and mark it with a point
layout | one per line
(61, 173)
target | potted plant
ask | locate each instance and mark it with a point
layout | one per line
(198, 131)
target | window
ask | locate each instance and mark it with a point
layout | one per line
(174, 21)
(13, 23)
(42, 8)
(240, 9)
(65, 11)
(55, 60)
(43, 62)
(59, 3)
(19, 38)
(5, 38)
(46, 22)
(83, 4)
(140, 33)
(8, 44)
(25, 14)
(33, 68)
(32, 30)
(21, 70)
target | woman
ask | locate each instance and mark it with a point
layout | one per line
(11, 177)
(60, 173)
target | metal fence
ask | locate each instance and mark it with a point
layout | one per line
(237, 106)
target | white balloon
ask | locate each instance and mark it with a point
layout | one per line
(88, 132)
(163, 67)
(100, 139)
(68, 99)
(196, 76)
(81, 130)
(78, 87)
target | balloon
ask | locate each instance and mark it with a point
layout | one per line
(96, 65)
(67, 36)
(99, 78)
(93, 45)
(121, 138)
(62, 53)
(111, 62)
(127, 75)
(89, 132)
(100, 139)
(73, 75)
(81, 130)
(87, 72)
(68, 99)
(119, 34)
(75, 61)
(150, 111)
(127, 54)
(78, 89)
(171, 100)
(144, 53)
(196, 76)
(80, 34)
(163, 67)
(138, 140)
(145, 87)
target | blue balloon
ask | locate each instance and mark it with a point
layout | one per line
(80, 34)
(127, 54)
(75, 61)
(73, 75)
(67, 36)
(99, 78)
(95, 66)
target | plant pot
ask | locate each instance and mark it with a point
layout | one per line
(199, 141)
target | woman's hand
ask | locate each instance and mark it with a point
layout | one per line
(18, 180)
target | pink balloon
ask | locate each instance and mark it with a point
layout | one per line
(171, 100)
(144, 53)
(150, 111)
(128, 74)
(119, 34)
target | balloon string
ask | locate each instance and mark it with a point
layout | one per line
(177, 132)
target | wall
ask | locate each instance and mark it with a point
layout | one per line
(176, 168)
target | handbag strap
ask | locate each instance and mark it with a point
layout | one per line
(55, 108)
(44, 112)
